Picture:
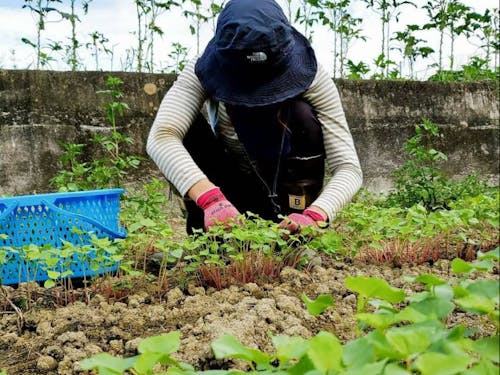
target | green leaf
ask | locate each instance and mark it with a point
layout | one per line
(441, 364)
(460, 266)
(492, 254)
(482, 368)
(477, 304)
(377, 320)
(433, 307)
(325, 352)
(105, 361)
(304, 366)
(357, 353)
(393, 369)
(488, 348)
(288, 348)
(317, 306)
(372, 287)
(146, 361)
(49, 284)
(164, 344)
(408, 340)
(368, 368)
(228, 346)
(485, 288)
(53, 274)
(429, 279)
(381, 346)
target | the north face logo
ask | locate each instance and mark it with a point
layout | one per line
(257, 57)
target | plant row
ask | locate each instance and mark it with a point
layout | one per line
(397, 334)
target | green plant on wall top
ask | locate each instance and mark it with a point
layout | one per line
(476, 70)
(110, 169)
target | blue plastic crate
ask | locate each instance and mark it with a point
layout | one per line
(49, 219)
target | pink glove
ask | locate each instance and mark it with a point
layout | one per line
(307, 218)
(216, 207)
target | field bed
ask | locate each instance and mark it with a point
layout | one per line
(53, 340)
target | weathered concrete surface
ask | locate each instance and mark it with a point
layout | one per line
(40, 109)
(382, 116)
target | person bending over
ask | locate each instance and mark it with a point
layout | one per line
(249, 125)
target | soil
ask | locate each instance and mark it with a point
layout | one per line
(49, 340)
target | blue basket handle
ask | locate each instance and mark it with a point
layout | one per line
(120, 234)
(9, 210)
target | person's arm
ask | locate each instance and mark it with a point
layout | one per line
(199, 188)
(341, 154)
(178, 110)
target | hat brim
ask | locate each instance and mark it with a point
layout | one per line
(228, 84)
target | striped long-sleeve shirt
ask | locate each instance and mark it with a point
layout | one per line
(184, 102)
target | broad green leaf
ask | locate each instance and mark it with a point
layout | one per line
(357, 353)
(302, 367)
(53, 274)
(325, 352)
(460, 266)
(393, 369)
(429, 279)
(381, 346)
(460, 291)
(208, 372)
(368, 368)
(228, 346)
(475, 303)
(488, 348)
(444, 291)
(410, 315)
(492, 254)
(288, 348)
(182, 368)
(482, 368)
(313, 372)
(441, 364)
(105, 361)
(178, 371)
(164, 344)
(320, 304)
(486, 288)
(146, 361)
(49, 284)
(457, 333)
(377, 320)
(417, 297)
(408, 341)
(372, 287)
(433, 307)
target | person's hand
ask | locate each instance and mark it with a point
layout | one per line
(308, 217)
(217, 209)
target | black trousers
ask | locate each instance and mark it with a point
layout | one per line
(298, 176)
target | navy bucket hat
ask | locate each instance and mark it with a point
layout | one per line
(256, 57)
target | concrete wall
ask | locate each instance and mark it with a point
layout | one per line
(40, 109)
